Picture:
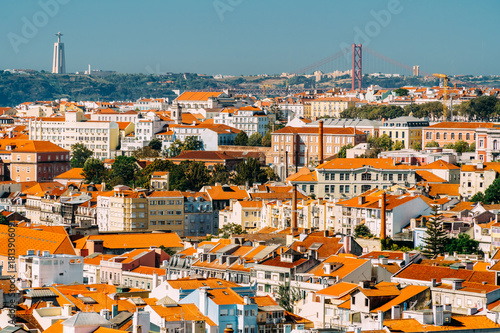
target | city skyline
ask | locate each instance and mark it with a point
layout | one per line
(239, 37)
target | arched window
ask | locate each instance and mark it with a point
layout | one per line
(452, 135)
(495, 145)
(437, 136)
(467, 136)
(445, 136)
(459, 136)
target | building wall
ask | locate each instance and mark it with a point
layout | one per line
(166, 213)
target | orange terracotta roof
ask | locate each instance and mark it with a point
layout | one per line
(166, 194)
(226, 193)
(464, 205)
(356, 163)
(29, 239)
(348, 265)
(264, 300)
(404, 295)
(190, 284)
(197, 96)
(486, 166)
(133, 241)
(429, 177)
(425, 273)
(149, 270)
(460, 125)
(444, 189)
(439, 164)
(313, 130)
(460, 323)
(74, 173)
(338, 290)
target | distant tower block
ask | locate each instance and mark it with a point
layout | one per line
(416, 70)
(59, 63)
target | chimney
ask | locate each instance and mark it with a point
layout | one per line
(320, 142)
(294, 209)
(382, 217)
(114, 309)
(105, 314)
(406, 258)
(67, 310)
(433, 282)
(395, 312)
(203, 300)
(437, 312)
(380, 320)
(347, 244)
(155, 281)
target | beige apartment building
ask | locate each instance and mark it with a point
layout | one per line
(331, 106)
(99, 136)
(128, 211)
(166, 211)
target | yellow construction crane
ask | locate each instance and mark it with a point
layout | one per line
(445, 94)
(264, 88)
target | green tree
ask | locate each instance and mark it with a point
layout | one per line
(155, 144)
(436, 236)
(249, 171)
(431, 144)
(492, 193)
(175, 148)
(220, 174)
(461, 146)
(4, 220)
(362, 230)
(266, 140)
(478, 197)
(398, 145)
(146, 152)
(241, 139)
(168, 250)
(255, 139)
(472, 147)
(192, 143)
(196, 174)
(343, 151)
(463, 244)
(383, 142)
(79, 154)
(417, 146)
(144, 176)
(94, 171)
(401, 92)
(230, 229)
(123, 171)
(287, 296)
(429, 110)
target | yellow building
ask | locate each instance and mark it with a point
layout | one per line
(407, 130)
(166, 211)
(128, 211)
(330, 106)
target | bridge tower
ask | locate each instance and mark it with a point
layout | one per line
(357, 73)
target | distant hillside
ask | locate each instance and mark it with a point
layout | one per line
(18, 88)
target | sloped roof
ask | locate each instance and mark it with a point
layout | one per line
(356, 163)
(74, 173)
(30, 239)
(133, 241)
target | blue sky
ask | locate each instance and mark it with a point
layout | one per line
(248, 36)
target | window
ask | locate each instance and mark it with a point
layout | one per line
(437, 136)
(366, 176)
(353, 300)
(366, 301)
